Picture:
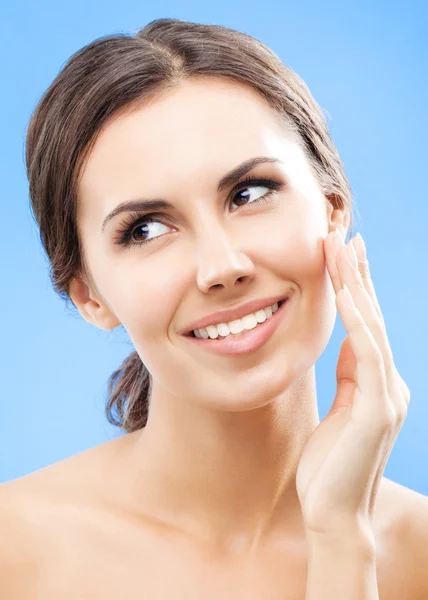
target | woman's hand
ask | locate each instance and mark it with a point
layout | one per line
(342, 464)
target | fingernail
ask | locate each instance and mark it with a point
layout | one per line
(360, 247)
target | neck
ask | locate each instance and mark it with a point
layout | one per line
(226, 478)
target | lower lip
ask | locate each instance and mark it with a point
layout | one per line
(252, 340)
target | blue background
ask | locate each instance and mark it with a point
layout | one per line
(367, 67)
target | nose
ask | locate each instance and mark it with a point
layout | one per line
(221, 264)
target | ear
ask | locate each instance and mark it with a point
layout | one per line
(337, 217)
(91, 306)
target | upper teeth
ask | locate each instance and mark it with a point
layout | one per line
(248, 322)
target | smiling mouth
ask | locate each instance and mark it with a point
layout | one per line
(241, 333)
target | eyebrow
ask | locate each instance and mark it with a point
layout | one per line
(148, 204)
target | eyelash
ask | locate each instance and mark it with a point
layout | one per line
(128, 225)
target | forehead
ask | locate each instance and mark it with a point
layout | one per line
(203, 126)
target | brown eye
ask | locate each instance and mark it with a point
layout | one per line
(246, 193)
(138, 222)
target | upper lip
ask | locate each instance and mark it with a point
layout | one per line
(224, 316)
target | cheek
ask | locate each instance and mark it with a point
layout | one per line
(141, 298)
(318, 298)
(298, 252)
(307, 265)
(301, 262)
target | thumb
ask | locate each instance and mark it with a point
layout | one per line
(345, 378)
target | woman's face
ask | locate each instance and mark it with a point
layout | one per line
(212, 249)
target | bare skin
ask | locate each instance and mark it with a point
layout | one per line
(202, 502)
(67, 535)
(224, 434)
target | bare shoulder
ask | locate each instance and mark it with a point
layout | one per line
(15, 520)
(402, 513)
(406, 509)
(17, 541)
(401, 501)
(74, 480)
(413, 532)
(42, 508)
(54, 517)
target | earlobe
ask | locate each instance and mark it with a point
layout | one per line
(91, 307)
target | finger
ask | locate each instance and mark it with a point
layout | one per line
(349, 273)
(398, 391)
(363, 267)
(330, 258)
(371, 380)
(370, 311)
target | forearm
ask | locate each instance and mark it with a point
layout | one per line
(341, 569)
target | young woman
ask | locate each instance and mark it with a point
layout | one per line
(187, 188)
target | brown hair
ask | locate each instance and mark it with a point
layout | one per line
(105, 78)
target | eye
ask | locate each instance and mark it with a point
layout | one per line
(246, 191)
(137, 222)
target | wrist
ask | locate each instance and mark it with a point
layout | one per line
(347, 541)
(341, 567)
(353, 535)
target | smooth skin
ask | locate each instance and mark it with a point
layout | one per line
(204, 498)
(341, 466)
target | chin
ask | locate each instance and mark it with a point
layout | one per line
(251, 388)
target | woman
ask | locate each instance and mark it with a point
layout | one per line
(187, 188)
